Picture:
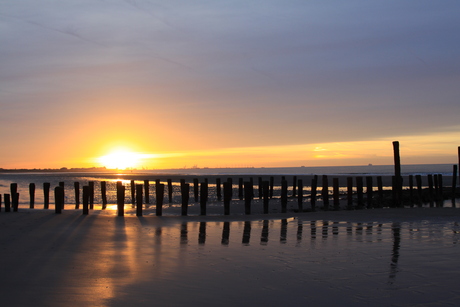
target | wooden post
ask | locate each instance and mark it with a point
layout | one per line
(120, 199)
(7, 203)
(133, 193)
(454, 182)
(46, 195)
(170, 191)
(440, 189)
(418, 180)
(147, 191)
(58, 191)
(104, 194)
(260, 188)
(185, 193)
(272, 183)
(32, 195)
(336, 194)
(86, 197)
(203, 197)
(294, 186)
(76, 186)
(195, 189)
(411, 190)
(359, 192)
(266, 192)
(350, 193)
(227, 197)
(398, 183)
(325, 193)
(430, 189)
(139, 199)
(380, 191)
(91, 195)
(247, 197)
(369, 191)
(160, 191)
(240, 189)
(284, 189)
(300, 195)
(14, 196)
(218, 189)
(0, 202)
(314, 185)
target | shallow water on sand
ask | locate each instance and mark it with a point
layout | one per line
(111, 261)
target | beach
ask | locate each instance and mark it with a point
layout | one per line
(398, 257)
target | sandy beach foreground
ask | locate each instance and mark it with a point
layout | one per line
(399, 257)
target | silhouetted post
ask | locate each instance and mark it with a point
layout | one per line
(418, 180)
(32, 195)
(300, 195)
(272, 183)
(398, 183)
(247, 197)
(195, 189)
(440, 188)
(104, 194)
(430, 189)
(336, 193)
(133, 193)
(91, 195)
(46, 195)
(76, 186)
(240, 189)
(7, 203)
(411, 190)
(359, 192)
(160, 191)
(0, 202)
(369, 191)
(62, 185)
(170, 191)
(86, 197)
(294, 186)
(260, 188)
(380, 191)
(350, 193)
(58, 191)
(266, 192)
(147, 191)
(227, 197)
(218, 189)
(314, 185)
(120, 198)
(203, 197)
(139, 199)
(454, 182)
(185, 193)
(325, 193)
(14, 196)
(284, 189)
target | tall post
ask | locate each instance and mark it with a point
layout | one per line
(139, 199)
(91, 195)
(336, 193)
(104, 194)
(62, 185)
(294, 186)
(133, 193)
(14, 196)
(218, 189)
(325, 192)
(314, 185)
(86, 192)
(283, 196)
(266, 192)
(247, 197)
(299, 194)
(185, 190)
(76, 186)
(58, 192)
(147, 191)
(454, 182)
(7, 203)
(398, 184)
(350, 193)
(203, 197)
(120, 199)
(32, 195)
(240, 188)
(227, 197)
(160, 191)
(272, 183)
(46, 195)
(170, 191)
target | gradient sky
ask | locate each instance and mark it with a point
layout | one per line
(229, 83)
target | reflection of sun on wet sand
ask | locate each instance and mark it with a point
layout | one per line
(360, 256)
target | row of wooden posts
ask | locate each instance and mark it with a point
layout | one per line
(140, 193)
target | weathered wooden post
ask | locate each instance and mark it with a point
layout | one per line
(284, 190)
(418, 180)
(62, 185)
(272, 183)
(430, 189)
(58, 191)
(380, 191)
(76, 186)
(359, 192)
(120, 198)
(46, 195)
(294, 186)
(369, 191)
(203, 197)
(411, 190)
(227, 197)
(218, 189)
(260, 188)
(398, 183)
(160, 191)
(195, 189)
(14, 196)
(336, 193)
(7, 203)
(185, 194)
(240, 189)
(440, 189)
(133, 193)
(454, 183)
(104, 194)
(139, 199)
(0, 202)
(300, 195)
(147, 191)
(314, 185)
(266, 195)
(91, 195)
(86, 197)
(350, 193)
(247, 197)
(325, 192)
(170, 191)
(32, 195)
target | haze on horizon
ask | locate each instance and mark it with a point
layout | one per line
(228, 84)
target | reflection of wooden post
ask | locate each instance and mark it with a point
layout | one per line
(350, 193)
(227, 197)
(398, 183)
(185, 190)
(32, 195)
(104, 194)
(76, 186)
(160, 191)
(139, 198)
(314, 184)
(120, 199)
(46, 195)
(86, 192)
(336, 194)
(283, 196)
(299, 195)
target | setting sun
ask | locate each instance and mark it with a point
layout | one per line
(120, 160)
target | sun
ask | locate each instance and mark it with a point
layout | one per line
(120, 159)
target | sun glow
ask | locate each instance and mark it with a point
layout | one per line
(121, 159)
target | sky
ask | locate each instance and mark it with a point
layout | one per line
(228, 83)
